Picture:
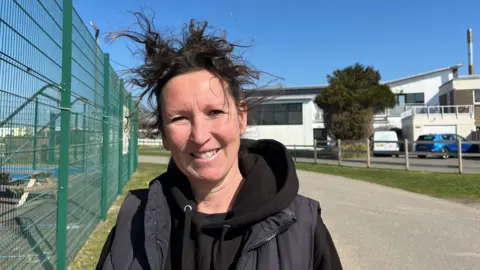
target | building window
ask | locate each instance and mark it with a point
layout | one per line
(320, 134)
(414, 98)
(476, 96)
(276, 114)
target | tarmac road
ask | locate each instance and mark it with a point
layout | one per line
(376, 227)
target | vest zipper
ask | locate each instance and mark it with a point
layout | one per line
(266, 240)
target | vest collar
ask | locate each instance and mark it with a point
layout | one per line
(158, 227)
(267, 230)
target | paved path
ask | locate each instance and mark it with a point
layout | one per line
(153, 159)
(376, 227)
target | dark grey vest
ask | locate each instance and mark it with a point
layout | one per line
(282, 241)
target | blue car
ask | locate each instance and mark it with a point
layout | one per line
(447, 143)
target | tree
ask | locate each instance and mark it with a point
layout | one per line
(146, 122)
(354, 94)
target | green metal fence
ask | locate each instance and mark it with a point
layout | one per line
(66, 150)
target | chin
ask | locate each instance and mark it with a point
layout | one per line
(207, 175)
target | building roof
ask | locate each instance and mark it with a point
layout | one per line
(290, 90)
(425, 73)
(304, 87)
(316, 89)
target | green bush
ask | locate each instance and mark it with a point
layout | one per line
(352, 150)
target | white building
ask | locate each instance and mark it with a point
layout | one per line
(294, 119)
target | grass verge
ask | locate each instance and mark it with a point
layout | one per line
(153, 151)
(87, 257)
(442, 185)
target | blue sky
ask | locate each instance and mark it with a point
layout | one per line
(306, 40)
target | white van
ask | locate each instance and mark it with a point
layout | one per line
(385, 143)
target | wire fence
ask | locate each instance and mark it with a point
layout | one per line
(66, 148)
(437, 156)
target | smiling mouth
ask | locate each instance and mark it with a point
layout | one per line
(205, 155)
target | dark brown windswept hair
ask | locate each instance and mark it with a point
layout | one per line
(167, 56)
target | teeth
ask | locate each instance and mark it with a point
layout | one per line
(205, 155)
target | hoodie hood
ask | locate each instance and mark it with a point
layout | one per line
(270, 185)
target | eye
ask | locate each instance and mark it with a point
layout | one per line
(178, 118)
(215, 112)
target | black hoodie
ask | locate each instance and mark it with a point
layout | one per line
(214, 241)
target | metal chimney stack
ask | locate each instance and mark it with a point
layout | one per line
(470, 51)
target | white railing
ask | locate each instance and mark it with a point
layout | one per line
(451, 110)
(150, 142)
(403, 111)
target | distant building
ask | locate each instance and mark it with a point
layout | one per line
(294, 119)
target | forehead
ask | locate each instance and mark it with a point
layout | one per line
(199, 87)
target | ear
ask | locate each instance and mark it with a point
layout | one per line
(242, 118)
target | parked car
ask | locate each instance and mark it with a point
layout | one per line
(385, 143)
(447, 144)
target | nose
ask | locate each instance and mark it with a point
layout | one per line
(200, 131)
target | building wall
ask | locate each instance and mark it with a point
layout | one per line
(463, 97)
(443, 99)
(466, 83)
(287, 134)
(4, 132)
(413, 126)
(460, 92)
(428, 84)
(477, 115)
(407, 129)
(303, 134)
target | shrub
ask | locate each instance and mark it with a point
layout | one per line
(351, 150)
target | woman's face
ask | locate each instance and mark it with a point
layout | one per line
(202, 126)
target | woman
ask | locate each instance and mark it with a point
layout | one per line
(224, 202)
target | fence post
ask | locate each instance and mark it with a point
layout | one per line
(135, 139)
(369, 157)
(129, 154)
(120, 140)
(75, 139)
(51, 139)
(315, 151)
(339, 143)
(407, 162)
(130, 143)
(35, 127)
(106, 131)
(294, 153)
(84, 141)
(460, 160)
(65, 103)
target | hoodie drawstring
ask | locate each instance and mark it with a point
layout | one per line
(186, 231)
(218, 264)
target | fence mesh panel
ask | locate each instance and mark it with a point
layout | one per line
(31, 65)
